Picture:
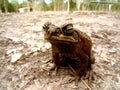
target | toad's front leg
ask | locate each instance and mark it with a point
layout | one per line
(56, 61)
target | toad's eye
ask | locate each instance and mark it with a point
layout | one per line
(68, 29)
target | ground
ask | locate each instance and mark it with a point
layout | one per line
(24, 52)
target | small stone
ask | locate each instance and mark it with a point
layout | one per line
(103, 54)
(50, 66)
(20, 48)
(40, 44)
(112, 63)
(41, 35)
(9, 51)
(43, 49)
(44, 66)
(47, 45)
(113, 50)
(15, 57)
(15, 39)
(14, 50)
(10, 67)
(28, 42)
(34, 49)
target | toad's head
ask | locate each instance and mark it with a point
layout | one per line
(56, 34)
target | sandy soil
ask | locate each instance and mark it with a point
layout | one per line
(24, 52)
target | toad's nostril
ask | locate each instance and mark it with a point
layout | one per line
(43, 27)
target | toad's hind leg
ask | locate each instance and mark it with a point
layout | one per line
(92, 57)
(77, 77)
(89, 74)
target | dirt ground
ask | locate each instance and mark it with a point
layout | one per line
(24, 52)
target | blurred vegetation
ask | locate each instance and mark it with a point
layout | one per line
(60, 5)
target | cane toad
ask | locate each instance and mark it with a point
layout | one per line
(70, 47)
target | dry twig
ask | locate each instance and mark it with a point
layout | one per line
(86, 84)
(81, 78)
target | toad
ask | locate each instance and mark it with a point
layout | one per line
(70, 47)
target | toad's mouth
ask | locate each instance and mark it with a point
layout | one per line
(64, 38)
(59, 38)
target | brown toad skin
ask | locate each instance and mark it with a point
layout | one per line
(74, 50)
